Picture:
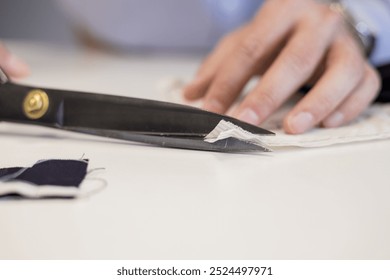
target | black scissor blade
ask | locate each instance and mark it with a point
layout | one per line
(107, 112)
(142, 115)
(229, 145)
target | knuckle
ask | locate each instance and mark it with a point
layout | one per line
(332, 17)
(326, 104)
(249, 48)
(223, 92)
(224, 85)
(301, 62)
(269, 99)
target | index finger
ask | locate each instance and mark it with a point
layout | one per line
(268, 30)
(292, 68)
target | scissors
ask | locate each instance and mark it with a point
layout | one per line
(133, 119)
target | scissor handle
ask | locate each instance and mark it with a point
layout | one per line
(25, 104)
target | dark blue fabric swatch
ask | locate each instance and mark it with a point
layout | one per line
(49, 172)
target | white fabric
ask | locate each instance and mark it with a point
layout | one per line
(226, 129)
(374, 124)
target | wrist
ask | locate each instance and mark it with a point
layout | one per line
(363, 33)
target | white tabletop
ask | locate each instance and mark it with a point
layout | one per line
(158, 203)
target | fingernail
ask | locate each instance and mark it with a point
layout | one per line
(16, 66)
(300, 122)
(334, 120)
(213, 106)
(249, 116)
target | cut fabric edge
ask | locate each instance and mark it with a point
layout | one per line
(226, 129)
(371, 126)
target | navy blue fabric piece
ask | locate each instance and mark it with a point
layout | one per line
(9, 171)
(49, 172)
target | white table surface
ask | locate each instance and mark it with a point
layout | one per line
(157, 203)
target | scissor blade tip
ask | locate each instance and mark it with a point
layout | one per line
(250, 127)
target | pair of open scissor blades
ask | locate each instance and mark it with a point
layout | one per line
(140, 120)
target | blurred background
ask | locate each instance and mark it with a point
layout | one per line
(125, 24)
(41, 20)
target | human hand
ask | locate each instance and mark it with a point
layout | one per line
(290, 43)
(12, 65)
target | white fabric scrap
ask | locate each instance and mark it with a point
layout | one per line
(374, 124)
(32, 191)
(226, 129)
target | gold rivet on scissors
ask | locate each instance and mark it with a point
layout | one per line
(35, 104)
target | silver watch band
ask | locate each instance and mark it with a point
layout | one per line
(363, 33)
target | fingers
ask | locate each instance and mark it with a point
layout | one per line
(248, 55)
(344, 60)
(357, 102)
(11, 64)
(295, 65)
(292, 43)
(198, 87)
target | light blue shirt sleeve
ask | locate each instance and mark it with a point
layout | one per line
(159, 24)
(376, 14)
(196, 24)
(230, 14)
